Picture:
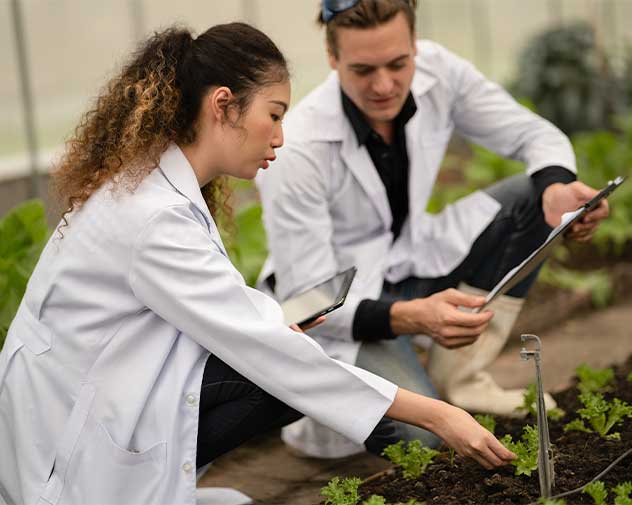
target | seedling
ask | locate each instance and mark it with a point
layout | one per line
(597, 491)
(629, 377)
(622, 493)
(526, 450)
(600, 414)
(414, 459)
(486, 421)
(342, 492)
(375, 500)
(593, 380)
(379, 500)
(528, 406)
(451, 453)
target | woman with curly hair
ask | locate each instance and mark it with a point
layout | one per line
(138, 353)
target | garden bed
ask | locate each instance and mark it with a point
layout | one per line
(579, 457)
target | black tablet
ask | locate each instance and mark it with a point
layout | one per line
(515, 275)
(319, 300)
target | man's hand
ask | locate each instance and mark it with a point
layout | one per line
(439, 317)
(307, 326)
(560, 198)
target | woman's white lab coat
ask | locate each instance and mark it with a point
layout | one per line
(101, 370)
(325, 207)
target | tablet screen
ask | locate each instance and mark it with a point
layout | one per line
(318, 300)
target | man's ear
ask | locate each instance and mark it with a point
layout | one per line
(218, 102)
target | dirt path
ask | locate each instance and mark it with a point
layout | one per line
(267, 471)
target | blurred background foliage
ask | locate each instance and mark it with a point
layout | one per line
(563, 75)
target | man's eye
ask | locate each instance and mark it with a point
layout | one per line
(275, 117)
(362, 71)
(397, 66)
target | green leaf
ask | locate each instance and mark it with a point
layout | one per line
(593, 379)
(375, 500)
(413, 459)
(23, 234)
(622, 493)
(342, 492)
(486, 421)
(597, 491)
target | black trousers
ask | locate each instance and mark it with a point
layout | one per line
(233, 410)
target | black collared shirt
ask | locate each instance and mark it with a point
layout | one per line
(390, 160)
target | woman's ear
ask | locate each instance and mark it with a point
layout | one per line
(218, 102)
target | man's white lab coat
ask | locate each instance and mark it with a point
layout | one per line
(326, 209)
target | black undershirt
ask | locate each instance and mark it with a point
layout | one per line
(372, 320)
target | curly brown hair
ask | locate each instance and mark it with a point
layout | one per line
(154, 101)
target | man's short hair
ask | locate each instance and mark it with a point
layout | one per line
(367, 14)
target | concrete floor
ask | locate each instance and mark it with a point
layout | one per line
(265, 470)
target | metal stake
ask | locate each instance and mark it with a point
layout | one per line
(546, 472)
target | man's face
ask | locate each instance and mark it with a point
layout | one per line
(376, 67)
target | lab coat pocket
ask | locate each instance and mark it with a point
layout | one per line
(90, 468)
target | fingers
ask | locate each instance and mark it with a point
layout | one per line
(490, 453)
(296, 328)
(456, 297)
(316, 322)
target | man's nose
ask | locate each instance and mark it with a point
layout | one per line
(382, 82)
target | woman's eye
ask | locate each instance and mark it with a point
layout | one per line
(275, 117)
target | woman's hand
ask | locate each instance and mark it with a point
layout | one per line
(307, 326)
(453, 425)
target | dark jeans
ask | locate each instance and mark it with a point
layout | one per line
(517, 230)
(233, 410)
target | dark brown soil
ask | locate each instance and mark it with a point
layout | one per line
(579, 457)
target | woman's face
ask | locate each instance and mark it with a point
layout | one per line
(258, 132)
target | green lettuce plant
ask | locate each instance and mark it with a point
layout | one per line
(413, 459)
(593, 380)
(342, 492)
(528, 406)
(486, 421)
(622, 493)
(526, 450)
(23, 234)
(602, 415)
(380, 500)
(597, 491)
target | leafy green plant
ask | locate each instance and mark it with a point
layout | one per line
(248, 248)
(597, 491)
(23, 234)
(528, 406)
(592, 380)
(595, 282)
(555, 414)
(569, 79)
(601, 414)
(413, 459)
(486, 421)
(342, 492)
(629, 377)
(375, 500)
(622, 493)
(526, 450)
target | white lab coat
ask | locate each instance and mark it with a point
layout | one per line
(325, 207)
(101, 370)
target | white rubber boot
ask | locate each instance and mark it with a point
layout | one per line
(459, 374)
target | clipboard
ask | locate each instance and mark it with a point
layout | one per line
(521, 271)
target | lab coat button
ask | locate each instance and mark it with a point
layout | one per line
(191, 400)
(187, 467)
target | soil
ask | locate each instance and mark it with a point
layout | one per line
(579, 457)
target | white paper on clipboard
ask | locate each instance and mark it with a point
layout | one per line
(515, 275)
